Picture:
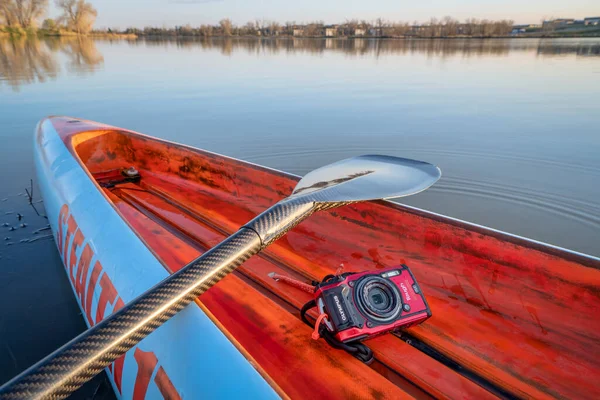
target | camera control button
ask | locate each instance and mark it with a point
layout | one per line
(416, 289)
(406, 307)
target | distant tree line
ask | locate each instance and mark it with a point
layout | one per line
(77, 15)
(445, 27)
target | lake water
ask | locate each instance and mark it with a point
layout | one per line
(513, 124)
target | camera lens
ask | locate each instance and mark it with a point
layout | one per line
(378, 298)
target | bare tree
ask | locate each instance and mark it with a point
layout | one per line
(226, 26)
(28, 11)
(432, 28)
(379, 24)
(504, 27)
(186, 30)
(450, 27)
(206, 30)
(274, 28)
(24, 13)
(470, 26)
(314, 28)
(289, 27)
(366, 25)
(7, 12)
(349, 27)
(248, 29)
(399, 28)
(487, 28)
(260, 26)
(547, 24)
(77, 15)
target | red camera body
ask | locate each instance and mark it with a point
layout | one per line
(360, 306)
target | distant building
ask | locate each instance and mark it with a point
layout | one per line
(564, 21)
(360, 32)
(415, 29)
(592, 21)
(271, 32)
(331, 31)
(524, 28)
(298, 32)
(559, 23)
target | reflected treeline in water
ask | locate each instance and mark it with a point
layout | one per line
(380, 47)
(580, 47)
(83, 56)
(29, 60)
(26, 61)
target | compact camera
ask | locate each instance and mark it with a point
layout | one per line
(363, 305)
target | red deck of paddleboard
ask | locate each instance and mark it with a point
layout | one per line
(518, 316)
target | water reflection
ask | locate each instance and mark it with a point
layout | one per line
(375, 47)
(30, 60)
(83, 56)
(26, 61)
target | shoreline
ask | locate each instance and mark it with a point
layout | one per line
(371, 37)
(40, 33)
(133, 36)
(354, 37)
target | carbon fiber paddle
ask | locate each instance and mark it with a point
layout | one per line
(356, 179)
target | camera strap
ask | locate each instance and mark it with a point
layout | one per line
(357, 349)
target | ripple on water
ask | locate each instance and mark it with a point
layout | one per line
(561, 205)
(582, 211)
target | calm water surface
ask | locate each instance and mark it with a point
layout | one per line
(514, 125)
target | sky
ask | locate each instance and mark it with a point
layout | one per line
(140, 13)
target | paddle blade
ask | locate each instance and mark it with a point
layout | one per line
(368, 177)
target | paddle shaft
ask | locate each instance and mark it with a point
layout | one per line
(356, 179)
(68, 368)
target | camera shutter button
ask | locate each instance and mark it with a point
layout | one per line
(406, 307)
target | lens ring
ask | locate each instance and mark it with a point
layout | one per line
(378, 298)
(372, 293)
